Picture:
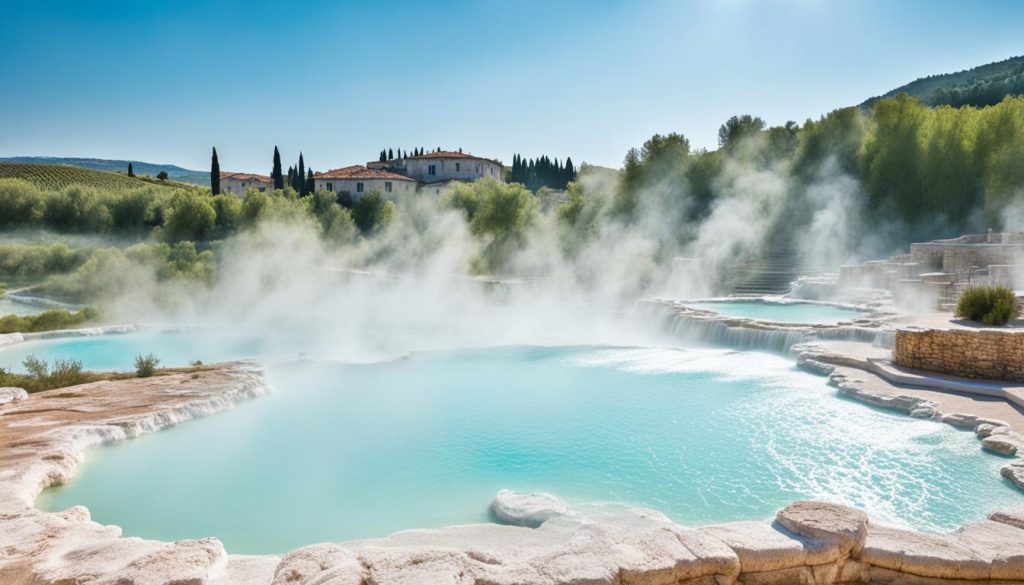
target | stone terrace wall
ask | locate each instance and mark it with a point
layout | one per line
(987, 354)
(954, 257)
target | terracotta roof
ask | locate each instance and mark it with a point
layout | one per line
(360, 172)
(245, 177)
(451, 154)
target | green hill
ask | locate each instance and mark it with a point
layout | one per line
(55, 177)
(174, 173)
(982, 86)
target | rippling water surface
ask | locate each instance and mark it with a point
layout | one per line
(345, 451)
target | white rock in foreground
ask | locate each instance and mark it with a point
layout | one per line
(8, 395)
(527, 509)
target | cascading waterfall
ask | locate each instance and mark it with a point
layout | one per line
(746, 334)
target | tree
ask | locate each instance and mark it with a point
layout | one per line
(737, 128)
(372, 212)
(276, 173)
(214, 173)
(391, 154)
(301, 177)
(131, 172)
(310, 181)
(162, 175)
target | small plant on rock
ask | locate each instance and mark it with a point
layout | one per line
(991, 305)
(145, 365)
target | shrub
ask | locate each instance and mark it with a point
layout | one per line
(145, 365)
(66, 373)
(372, 212)
(190, 216)
(992, 305)
(41, 377)
(46, 321)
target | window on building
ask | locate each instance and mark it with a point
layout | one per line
(457, 167)
(359, 187)
(330, 187)
(432, 170)
(263, 189)
(387, 186)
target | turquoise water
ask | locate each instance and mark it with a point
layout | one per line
(344, 451)
(785, 312)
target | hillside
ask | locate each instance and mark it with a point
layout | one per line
(982, 86)
(54, 177)
(174, 173)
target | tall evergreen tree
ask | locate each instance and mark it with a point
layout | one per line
(301, 177)
(310, 181)
(214, 173)
(383, 156)
(391, 154)
(131, 172)
(275, 174)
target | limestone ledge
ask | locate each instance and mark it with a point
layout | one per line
(996, 436)
(43, 436)
(686, 321)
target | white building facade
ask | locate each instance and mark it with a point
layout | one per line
(358, 180)
(443, 166)
(239, 183)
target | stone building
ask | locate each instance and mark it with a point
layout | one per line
(358, 180)
(935, 273)
(238, 183)
(442, 167)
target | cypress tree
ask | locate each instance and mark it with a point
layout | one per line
(131, 173)
(302, 177)
(310, 181)
(214, 173)
(391, 154)
(276, 173)
(383, 156)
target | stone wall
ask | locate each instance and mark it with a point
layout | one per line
(986, 354)
(957, 257)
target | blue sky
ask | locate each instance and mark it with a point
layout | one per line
(162, 81)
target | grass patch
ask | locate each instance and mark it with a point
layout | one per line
(51, 320)
(991, 305)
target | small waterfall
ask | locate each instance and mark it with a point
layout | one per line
(718, 332)
(747, 334)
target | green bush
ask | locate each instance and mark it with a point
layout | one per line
(145, 365)
(372, 212)
(41, 377)
(189, 216)
(992, 305)
(28, 264)
(51, 320)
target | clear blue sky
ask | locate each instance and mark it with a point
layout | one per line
(162, 81)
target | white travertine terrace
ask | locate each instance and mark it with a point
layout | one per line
(43, 437)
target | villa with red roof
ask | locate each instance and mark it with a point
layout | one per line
(239, 183)
(358, 180)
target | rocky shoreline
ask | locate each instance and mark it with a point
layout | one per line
(808, 542)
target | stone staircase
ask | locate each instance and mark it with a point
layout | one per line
(772, 274)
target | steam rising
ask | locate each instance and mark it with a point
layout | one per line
(412, 287)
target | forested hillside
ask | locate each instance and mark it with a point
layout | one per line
(986, 85)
